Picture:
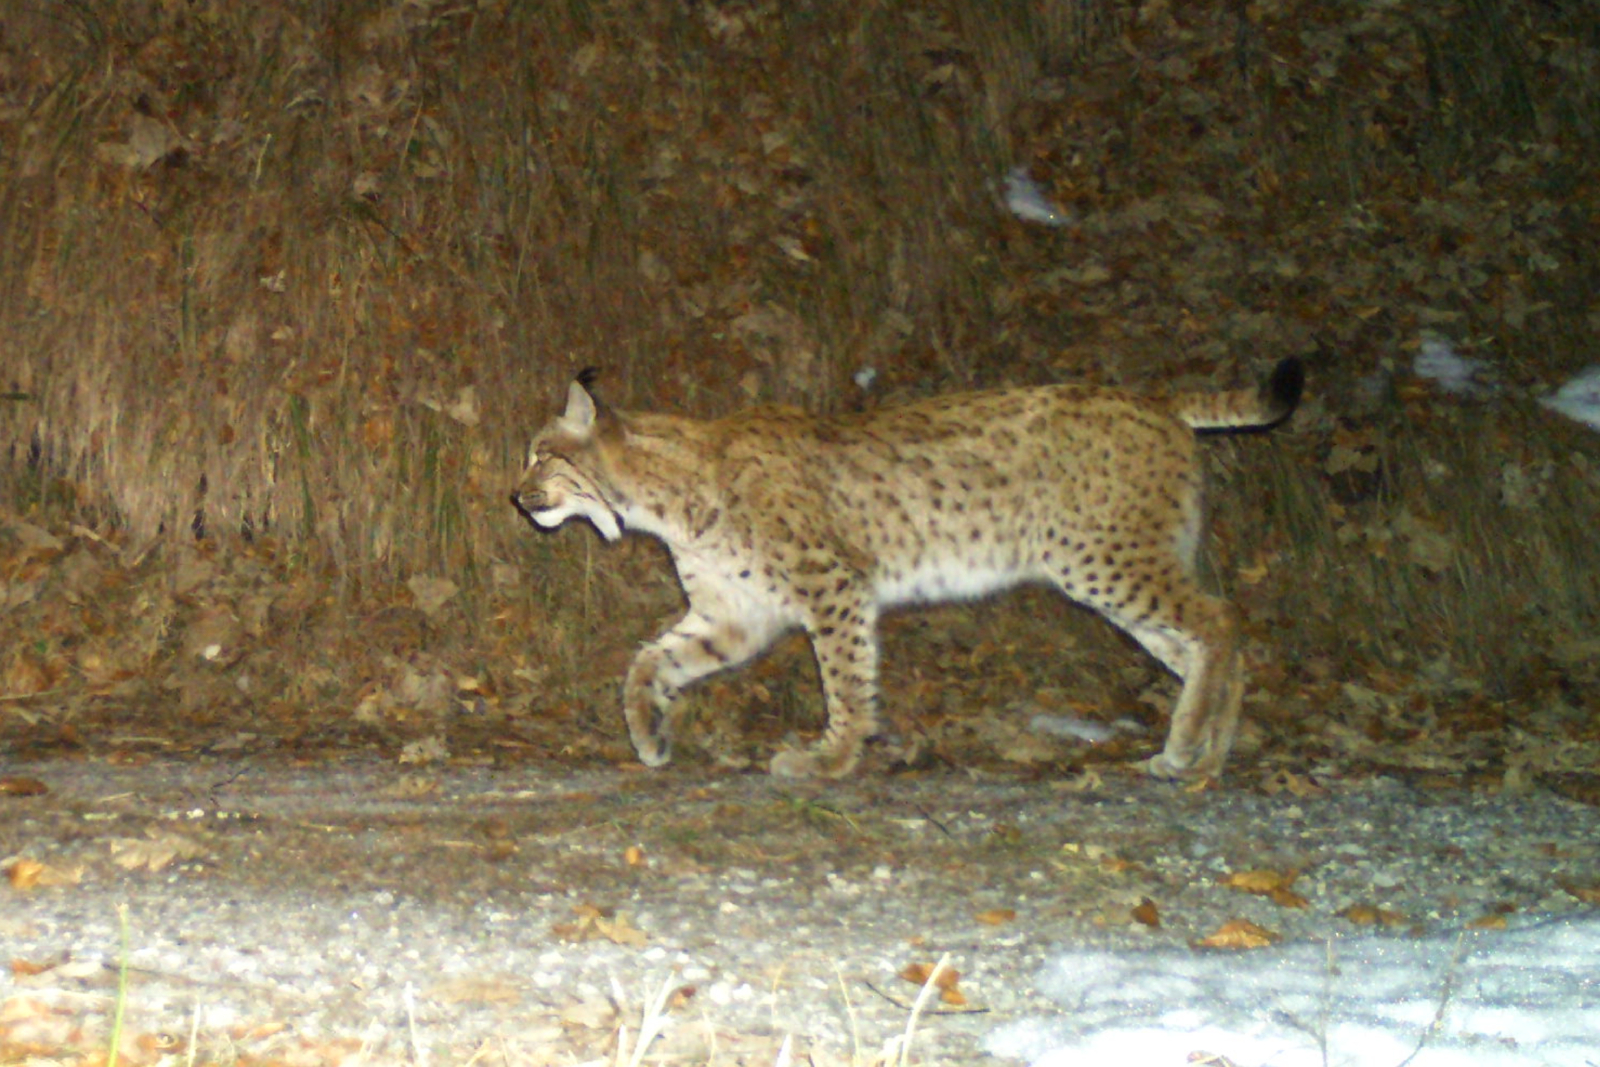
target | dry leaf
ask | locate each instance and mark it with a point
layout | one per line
(474, 990)
(996, 916)
(1285, 897)
(1210, 1059)
(1428, 545)
(1493, 921)
(430, 593)
(1240, 933)
(465, 408)
(24, 873)
(412, 786)
(595, 923)
(1255, 573)
(596, 1013)
(31, 874)
(25, 677)
(21, 968)
(946, 981)
(1260, 882)
(1589, 894)
(633, 856)
(154, 851)
(1087, 782)
(919, 973)
(1368, 915)
(424, 750)
(1291, 783)
(1146, 913)
(14, 785)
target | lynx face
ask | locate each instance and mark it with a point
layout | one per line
(556, 486)
(778, 520)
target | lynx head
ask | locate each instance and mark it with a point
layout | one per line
(566, 471)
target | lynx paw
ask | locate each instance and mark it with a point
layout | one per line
(816, 762)
(1162, 766)
(653, 751)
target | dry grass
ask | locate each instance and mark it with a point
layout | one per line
(301, 281)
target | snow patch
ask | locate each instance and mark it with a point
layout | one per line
(1027, 201)
(1579, 399)
(1056, 725)
(1476, 999)
(1438, 362)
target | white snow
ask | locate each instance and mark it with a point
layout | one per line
(1579, 399)
(1484, 998)
(1437, 361)
(1074, 726)
(1027, 201)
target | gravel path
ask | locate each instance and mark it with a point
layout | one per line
(520, 913)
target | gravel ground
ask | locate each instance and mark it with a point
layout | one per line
(296, 912)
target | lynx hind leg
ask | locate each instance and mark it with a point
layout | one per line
(697, 646)
(846, 648)
(1196, 636)
(1206, 655)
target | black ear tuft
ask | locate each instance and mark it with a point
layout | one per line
(587, 376)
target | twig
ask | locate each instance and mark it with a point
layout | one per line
(122, 987)
(17, 698)
(1445, 995)
(929, 988)
(937, 825)
(409, 996)
(903, 1006)
(194, 1036)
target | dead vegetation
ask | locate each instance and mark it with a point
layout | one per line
(284, 289)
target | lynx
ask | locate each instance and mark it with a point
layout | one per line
(777, 519)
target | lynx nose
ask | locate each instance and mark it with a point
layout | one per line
(526, 501)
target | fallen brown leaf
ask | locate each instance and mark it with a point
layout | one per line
(155, 851)
(1087, 782)
(595, 923)
(16, 785)
(476, 990)
(1291, 783)
(24, 873)
(1240, 933)
(1284, 897)
(1368, 915)
(27, 873)
(946, 981)
(27, 968)
(1589, 894)
(996, 916)
(1261, 882)
(596, 1013)
(1145, 912)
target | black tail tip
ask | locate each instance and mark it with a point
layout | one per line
(1283, 389)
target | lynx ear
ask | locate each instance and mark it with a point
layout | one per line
(580, 412)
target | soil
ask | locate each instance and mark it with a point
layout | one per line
(507, 910)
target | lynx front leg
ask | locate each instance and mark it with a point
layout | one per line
(846, 647)
(698, 645)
